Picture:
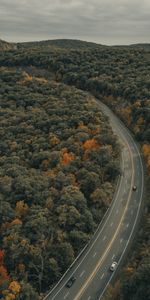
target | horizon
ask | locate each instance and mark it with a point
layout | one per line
(71, 39)
(107, 22)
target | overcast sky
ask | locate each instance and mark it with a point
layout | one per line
(102, 21)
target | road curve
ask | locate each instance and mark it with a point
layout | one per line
(110, 242)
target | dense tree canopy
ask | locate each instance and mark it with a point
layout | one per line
(53, 160)
(59, 158)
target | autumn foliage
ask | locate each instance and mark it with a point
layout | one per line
(21, 208)
(1, 257)
(146, 152)
(126, 114)
(14, 287)
(48, 212)
(16, 222)
(54, 140)
(67, 157)
(4, 277)
(11, 288)
(90, 144)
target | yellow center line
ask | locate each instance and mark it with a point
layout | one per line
(110, 244)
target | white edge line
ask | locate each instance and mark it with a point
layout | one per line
(132, 175)
(134, 221)
(66, 295)
(142, 188)
(108, 210)
(94, 254)
(120, 178)
(111, 208)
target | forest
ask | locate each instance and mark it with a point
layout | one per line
(60, 159)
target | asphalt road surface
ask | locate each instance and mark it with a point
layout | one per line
(110, 242)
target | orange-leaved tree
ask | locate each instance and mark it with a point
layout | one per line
(21, 208)
(4, 277)
(90, 144)
(2, 253)
(14, 287)
(146, 152)
(16, 222)
(67, 157)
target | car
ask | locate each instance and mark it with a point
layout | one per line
(70, 282)
(113, 266)
(134, 188)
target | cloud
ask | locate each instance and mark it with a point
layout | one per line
(103, 21)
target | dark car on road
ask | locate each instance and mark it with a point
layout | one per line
(134, 188)
(70, 282)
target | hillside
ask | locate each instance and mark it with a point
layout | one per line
(62, 43)
(53, 129)
(143, 46)
(120, 75)
(5, 46)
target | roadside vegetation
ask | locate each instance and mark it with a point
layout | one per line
(60, 159)
(59, 163)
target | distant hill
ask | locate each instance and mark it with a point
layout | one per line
(62, 43)
(65, 44)
(76, 44)
(5, 46)
(144, 45)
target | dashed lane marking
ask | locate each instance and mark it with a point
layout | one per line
(94, 254)
(82, 273)
(66, 295)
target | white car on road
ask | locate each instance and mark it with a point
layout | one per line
(113, 266)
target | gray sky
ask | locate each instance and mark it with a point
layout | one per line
(102, 21)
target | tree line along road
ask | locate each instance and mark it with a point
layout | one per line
(91, 272)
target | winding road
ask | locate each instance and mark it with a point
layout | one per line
(111, 240)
